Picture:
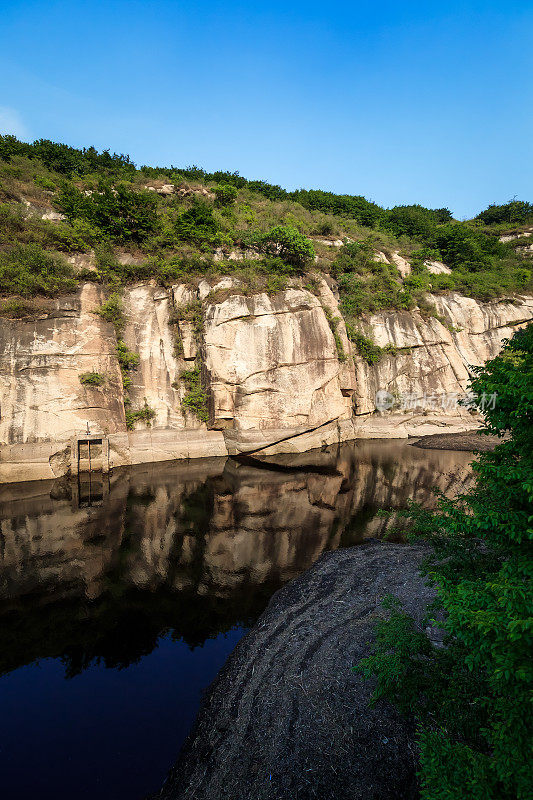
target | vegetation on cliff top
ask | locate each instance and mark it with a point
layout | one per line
(176, 225)
(472, 696)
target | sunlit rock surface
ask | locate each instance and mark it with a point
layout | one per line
(272, 362)
(41, 397)
(278, 373)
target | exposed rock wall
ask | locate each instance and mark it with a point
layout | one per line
(149, 334)
(279, 373)
(41, 396)
(273, 362)
(433, 358)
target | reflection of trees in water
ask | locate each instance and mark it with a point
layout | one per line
(119, 630)
(189, 550)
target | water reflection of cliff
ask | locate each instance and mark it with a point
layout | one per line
(190, 548)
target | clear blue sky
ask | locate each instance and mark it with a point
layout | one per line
(403, 102)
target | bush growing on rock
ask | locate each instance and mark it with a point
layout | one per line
(128, 362)
(365, 347)
(17, 308)
(195, 398)
(112, 312)
(92, 379)
(144, 414)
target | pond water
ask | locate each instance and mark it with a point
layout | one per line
(121, 599)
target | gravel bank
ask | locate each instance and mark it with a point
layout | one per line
(472, 440)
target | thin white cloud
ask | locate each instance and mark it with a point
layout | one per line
(11, 122)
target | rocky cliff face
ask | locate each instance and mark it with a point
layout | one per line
(433, 357)
(273, 363)
(278, 373)
(41, 396)
(149, 335)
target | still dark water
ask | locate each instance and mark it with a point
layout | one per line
(120, 601)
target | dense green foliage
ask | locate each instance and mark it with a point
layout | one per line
(415, 221)
(472, 697)
(112, 312)
(128, 361)
(114, 211)
(195, 398)
(178, 235)
(511, 212)
(27, 270)
(225, 195)
(288, 244)
(66, 160)
(198, 224)
(92, 379)
(365, 347)
(366, 284)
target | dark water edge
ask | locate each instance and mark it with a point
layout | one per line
(121, 600)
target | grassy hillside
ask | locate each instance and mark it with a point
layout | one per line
(138, 228)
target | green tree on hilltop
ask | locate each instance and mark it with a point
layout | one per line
(225, 195)
(288, 244)
(118, 211)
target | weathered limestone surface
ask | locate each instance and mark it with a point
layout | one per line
(41, 396)
(279, 373)
(273, 363)
(149, 334)
(403, 266)
(159, 444)
(432, 359)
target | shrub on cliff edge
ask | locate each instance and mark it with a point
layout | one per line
(27, 270)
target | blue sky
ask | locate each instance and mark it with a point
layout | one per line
(402, 102)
